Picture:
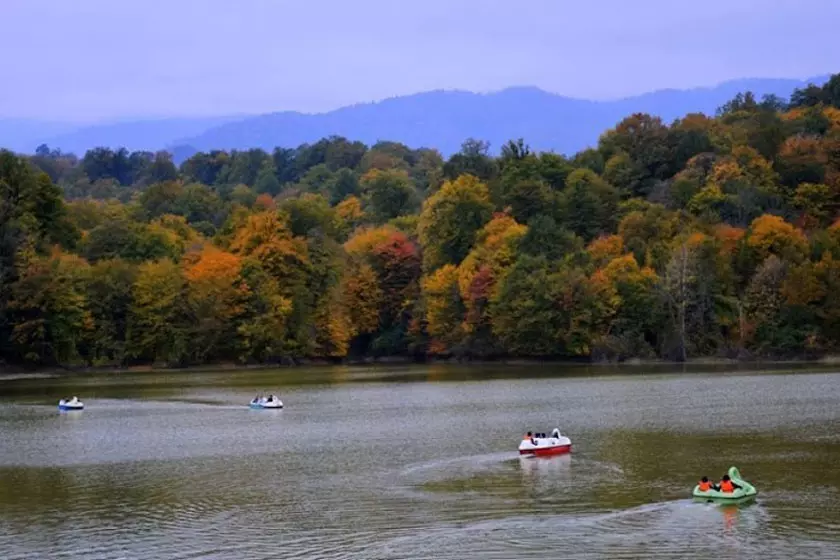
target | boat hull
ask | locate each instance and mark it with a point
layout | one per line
(263, 407)
(556, 444)
(545, 451)
(64, 408)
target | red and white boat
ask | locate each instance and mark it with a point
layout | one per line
(555, 444)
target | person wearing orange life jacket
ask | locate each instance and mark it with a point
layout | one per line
(529, 437)
(705, 485)
(726, 484)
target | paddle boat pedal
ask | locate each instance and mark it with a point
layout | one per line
(71, 404)
(538, 445)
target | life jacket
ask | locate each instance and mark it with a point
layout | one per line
(705, 486)
(526, 438)
(726, 486)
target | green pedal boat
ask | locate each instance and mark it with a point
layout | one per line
(746, 490)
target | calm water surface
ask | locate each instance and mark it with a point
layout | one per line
(418, 462)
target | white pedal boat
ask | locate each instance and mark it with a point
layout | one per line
(71, 404)
(266, 402)
(539, 445)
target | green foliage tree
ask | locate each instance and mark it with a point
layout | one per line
(157, 319)
(450, 219)
(473, 159)
(48, 308)
(266, 180)
(109, 297)
(388, 194)
(543, 310)
(590, 204)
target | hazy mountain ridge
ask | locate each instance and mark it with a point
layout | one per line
(444, 119)
(439, 119)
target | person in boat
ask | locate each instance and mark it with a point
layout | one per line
(705, 484)
(530, 437)
(726, 485)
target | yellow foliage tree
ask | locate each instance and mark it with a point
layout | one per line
(157, 322)
(266, 238)
(49, 308)
(364, 241)
(451, 218)
(349, 213)
(771, 235)
(216, 295)
(334, 327)
(362, 298)
(496, 247)
(605, 248)
(444, 309)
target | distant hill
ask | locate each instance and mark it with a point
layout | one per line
(439, 119)
(444, 119)
(150, 135)
(24, 135)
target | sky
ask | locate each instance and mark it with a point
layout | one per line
(84, 60)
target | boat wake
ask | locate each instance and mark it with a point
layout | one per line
(661, 530)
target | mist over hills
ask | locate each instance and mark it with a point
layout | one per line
(438, 119)
(150, 134)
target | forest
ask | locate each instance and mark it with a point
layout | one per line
(706, 237)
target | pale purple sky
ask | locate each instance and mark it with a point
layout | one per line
(102, 59)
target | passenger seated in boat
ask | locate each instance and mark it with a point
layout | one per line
(726, 484)
(705, 485)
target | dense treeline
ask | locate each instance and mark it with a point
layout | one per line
(705, 237)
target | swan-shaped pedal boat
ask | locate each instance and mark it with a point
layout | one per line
(538, 445)
(71, 404)
(271, 402)
(746, 490)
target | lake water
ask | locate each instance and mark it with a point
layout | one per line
(419, 462)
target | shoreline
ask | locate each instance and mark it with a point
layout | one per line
(11, 373)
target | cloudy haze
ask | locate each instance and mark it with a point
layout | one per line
(103, 59)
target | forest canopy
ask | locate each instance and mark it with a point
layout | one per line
(708, 236)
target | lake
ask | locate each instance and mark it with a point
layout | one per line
(420, 462)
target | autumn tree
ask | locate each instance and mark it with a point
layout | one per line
(450, 219)
(626, 300)
(444, 310)
(771, 235)
(158, 318)
(216, 293)
(48, 307)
